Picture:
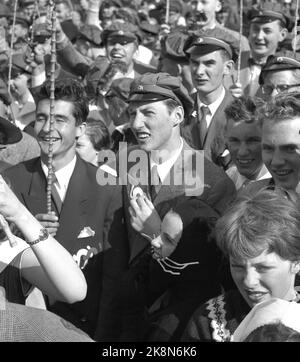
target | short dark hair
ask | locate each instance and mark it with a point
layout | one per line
(283, 107)
(68, 90)
(244, 110)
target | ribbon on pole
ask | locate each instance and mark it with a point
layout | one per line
(167, 11)
(295, 27)
(12, 44)
(240, 42)
(52, 104)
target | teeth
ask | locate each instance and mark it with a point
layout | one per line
(282, 173)
(244, 162)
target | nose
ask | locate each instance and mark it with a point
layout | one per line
(277, 159)
(199, 6)
(199, 69)
(137, 121)
(259, 34)
(46, 126)
(250, 279)
(274, 93)
(243, 149)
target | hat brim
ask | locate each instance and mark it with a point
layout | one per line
(13, 133)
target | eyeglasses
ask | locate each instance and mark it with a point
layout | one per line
(268, 89)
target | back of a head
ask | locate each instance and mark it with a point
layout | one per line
(273, 332)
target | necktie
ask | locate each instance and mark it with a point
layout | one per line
(155, 182)
(203, 113)
(55, 194)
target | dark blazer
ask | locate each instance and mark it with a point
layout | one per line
(146, 281)
(214, 143)
(86, 205)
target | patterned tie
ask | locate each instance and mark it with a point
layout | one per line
(55, 194)
(155, 182)
(203, 113)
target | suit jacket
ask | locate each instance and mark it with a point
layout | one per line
(214, 143)
(146, 281)
(86, 204)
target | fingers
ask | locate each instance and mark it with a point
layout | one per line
(47, 217)
(7, 231)
(49, 221)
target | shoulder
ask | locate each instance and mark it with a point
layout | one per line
(254, 187)
(22, 168)
(213, 319)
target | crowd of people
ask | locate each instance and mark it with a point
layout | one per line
(150, 170)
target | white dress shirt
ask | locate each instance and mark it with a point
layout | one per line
(62, 177)
(212, 107)
(164, 168)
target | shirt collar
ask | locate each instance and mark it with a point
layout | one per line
(241, 180)
(164, 168)
(64, 174)
(214, 105)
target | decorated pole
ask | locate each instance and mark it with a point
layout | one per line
(52, 103)
(167, 11)
(12, 44)
(240, 42)
(295, 27)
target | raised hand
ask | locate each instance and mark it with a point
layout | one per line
(144, 217)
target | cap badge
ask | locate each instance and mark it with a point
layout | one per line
(120, 32)
(140, 88)
(199, 40)
(279, 59)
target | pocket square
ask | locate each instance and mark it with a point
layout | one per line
(86, 232)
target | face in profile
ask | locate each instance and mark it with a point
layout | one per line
(263, 277)
(281, 151)
(86, 150)
(244, 145)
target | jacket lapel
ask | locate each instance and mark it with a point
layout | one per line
(74, 209)
(35, 197)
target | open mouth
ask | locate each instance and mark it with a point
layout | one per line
(255, 297)
(282, 173)
(244, 162)
(48, 139)
(142, 136)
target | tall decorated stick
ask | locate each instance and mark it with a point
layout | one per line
(295, 27)
(167, 11)
(52, 103)
(240, 42)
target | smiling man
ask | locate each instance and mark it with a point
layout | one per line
(268, 27)
(83, 211)
(281, 140)
(243, 139)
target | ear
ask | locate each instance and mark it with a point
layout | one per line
(177, 116)
(295, 268)
(228, 67)
(218, 6)
(80, 129)
(282, 34)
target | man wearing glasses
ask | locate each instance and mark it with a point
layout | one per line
(281, 73)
